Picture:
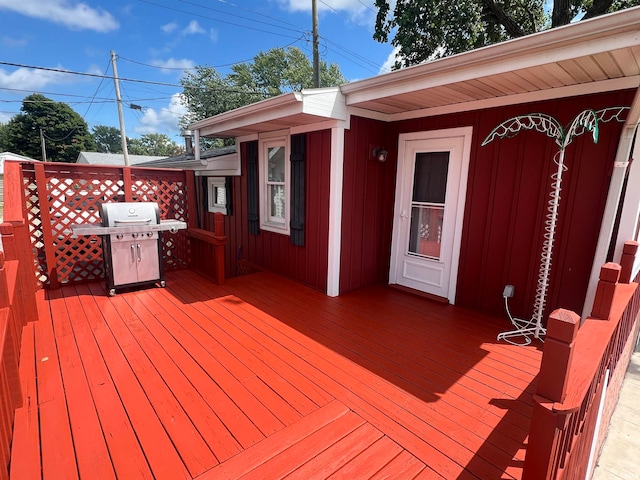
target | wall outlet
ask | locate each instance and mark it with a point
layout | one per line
(508, 291)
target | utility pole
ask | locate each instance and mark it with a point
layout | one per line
(316, 58)
(123, 135)
(42, 146)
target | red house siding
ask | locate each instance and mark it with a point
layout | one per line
(272, 251)
(367, 212)
(506, 204)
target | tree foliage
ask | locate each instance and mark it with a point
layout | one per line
(427, 29)
(157, 144)
(65, 131)
(108, 139)
(206, 92)
(4, 132)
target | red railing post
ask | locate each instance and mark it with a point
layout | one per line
(218, 231)
(609, 276)
(627, 260)
(542, 457)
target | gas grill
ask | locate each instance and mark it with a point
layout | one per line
(132, 250)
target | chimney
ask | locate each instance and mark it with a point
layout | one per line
(188, 142)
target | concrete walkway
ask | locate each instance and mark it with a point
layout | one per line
(620, 458)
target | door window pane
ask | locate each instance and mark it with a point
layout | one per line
(425, 236)
(430, 177)
(427, 204)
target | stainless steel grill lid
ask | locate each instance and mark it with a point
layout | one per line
(129, 214)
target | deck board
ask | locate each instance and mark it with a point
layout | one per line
(265, 378)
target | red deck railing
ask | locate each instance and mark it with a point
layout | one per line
(17, 307)
(580, 377)
(58, 195)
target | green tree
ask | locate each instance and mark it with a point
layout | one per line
(4, 131)
(108, 139)
(428, 29)
(157, 144)
(65, 131)
(274, 72)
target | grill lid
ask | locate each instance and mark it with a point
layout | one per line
(129, 214)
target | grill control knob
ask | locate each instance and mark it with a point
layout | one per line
(134, 235)
(149, 234)
(119, 236)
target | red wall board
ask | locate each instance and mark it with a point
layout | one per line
(506, 204)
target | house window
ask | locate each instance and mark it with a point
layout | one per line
(218, 195)
(275, 185)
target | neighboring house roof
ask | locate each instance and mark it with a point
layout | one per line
(96, 158)
(590, 56)
(214, 162)
(12, 156)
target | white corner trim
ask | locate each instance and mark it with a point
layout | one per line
(335, 211)
(630, 206)
(196, 149)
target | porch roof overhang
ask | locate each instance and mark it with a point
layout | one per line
(285, 111)
(600, 54)
(597, 55)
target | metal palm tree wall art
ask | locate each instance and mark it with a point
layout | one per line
(586, 121)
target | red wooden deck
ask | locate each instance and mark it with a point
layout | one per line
(265, 378)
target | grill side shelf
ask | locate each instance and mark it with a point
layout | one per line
(99, 229)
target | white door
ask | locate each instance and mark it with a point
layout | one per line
(429, 208)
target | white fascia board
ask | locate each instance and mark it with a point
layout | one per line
(588, 37)
(243, 117)
(254, 108)
(229, 164)
(323, 102)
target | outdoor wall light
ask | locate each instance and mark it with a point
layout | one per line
(380, 154)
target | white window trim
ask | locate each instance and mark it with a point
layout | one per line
(212, 184)
(266, 223)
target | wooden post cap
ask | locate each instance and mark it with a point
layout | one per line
(610, 272)
(563, 325)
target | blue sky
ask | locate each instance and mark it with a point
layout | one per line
(155, 40)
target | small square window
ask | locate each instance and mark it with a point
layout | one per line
(217, 193)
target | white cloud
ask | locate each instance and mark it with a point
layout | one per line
(164, 120)
(169, 27)
(30, 79)
(388, 63)
(14, 42)
(213, 35)
(73, 14)
(5, 117)
(172, 64)
(305, 5)
(192, 29)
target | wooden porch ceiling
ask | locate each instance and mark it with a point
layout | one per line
(265, 378)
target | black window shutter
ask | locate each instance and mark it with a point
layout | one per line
(298, 157)
(253, 207)
(228, 182)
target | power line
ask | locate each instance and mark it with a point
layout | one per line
(367, 6)
(85, 74)
(217, 19)
(146, 82)
(96, 93)
(278, 23)
(345, 17)
(278, 20)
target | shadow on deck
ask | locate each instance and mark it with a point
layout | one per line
(265, 378)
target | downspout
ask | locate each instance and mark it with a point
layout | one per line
(613, 200)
